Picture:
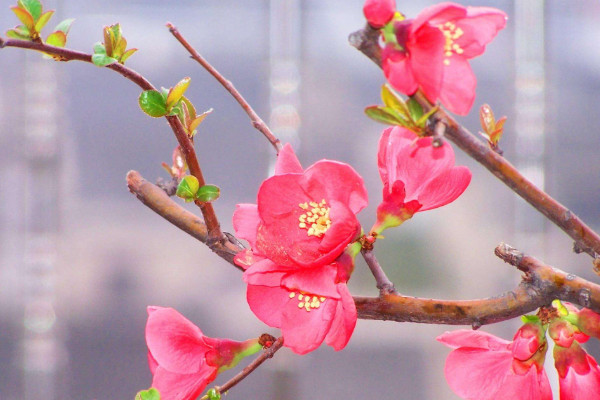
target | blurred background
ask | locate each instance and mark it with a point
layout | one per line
(81, 258)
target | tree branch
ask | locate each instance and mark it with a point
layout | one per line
(586, 240)
(187, 146)
(257, 122)
(384, 284)
(541, 283)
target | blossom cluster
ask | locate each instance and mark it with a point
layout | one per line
(485, 367)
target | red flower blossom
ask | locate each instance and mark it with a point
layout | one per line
(416, 176)
(485, 367)
(304, 218)
(379, 12)
(182, 360)
(310, 306)
(432, 52)
(578, 372)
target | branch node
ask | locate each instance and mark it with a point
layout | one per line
(2, 43)
(584, 297)
(476, 324)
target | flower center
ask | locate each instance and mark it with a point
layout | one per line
(315, 219)
(451, 33)
(307, 301)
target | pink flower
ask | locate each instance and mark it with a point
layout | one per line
(304, 218)
(379, 12)
(432, 52)
(578, 372)
(310, 306)
(485, 367)
(182, 360)
(416, 176)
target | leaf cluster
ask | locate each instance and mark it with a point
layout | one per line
(114, 49)
(190, 190)
(492, 129)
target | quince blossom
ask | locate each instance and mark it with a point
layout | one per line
(379, 12)
(310, 306)
(431, 52)
(416, 176)
(182, 360)
(303, 218)
(485, 367)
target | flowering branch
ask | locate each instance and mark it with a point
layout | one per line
(586, 240)
(214, 231)
(541, 283)
(268, 353)
(257, 122)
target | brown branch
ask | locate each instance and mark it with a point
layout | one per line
(268, 353)
(159, 202)
(586, 240)
(187, 146)
(541, 283)
(384, 284)
(257, 122)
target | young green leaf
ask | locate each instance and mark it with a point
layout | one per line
(213, 394)
(153, 103)
(196, 122)
(177, 92)
(102, 60)
(188, 188)
(415, 109)
(44, 18)
(150, 394)
(25, 17)
(126, 55)
(20, 32)
(64, 25)
(384, 115)
(58, 39)
(208, 193)
(33, 7)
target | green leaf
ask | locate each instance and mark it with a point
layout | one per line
(102, 60)
(58, 39)
(150, 394)
(177, 92)
(191, 110)
(126, 55)
(188, 188)
(19, 32)
(213, 394)
(384, 115)
(196, 121)
(153, 103)
(415, 109)
(99, 48)
(25, 17)
(390, 98)
(34, 7)
(423, 120)
(208, 193)
(64, 25)
(44, 18)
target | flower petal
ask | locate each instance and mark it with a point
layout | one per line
(245, 222)
(445, 188)
(480, 27)
(457, 93)
(287, 162)
(474, 339)
(344, 320)
(398, 70)
(426, 48)
(174, 342)
(267, 302)
(174, 386)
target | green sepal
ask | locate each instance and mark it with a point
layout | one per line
(188, 188)
(102, 60)
(153, 103)
(530, 319)
(150, 394)
(208, 193)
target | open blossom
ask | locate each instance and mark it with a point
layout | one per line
(416, 176)
(485, 367)
(182, 360)
(310, 306)
(303, 218)
(431, 52)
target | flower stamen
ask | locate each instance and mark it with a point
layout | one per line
(308, 302)
(451, 33)
(316, 218)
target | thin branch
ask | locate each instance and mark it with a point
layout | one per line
(257, 122)
(586, 240)
(384, 284)
(187, 147)
(541, 284)
(268, 353)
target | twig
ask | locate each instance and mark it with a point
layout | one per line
(268, 353)
(540, 286)
(187, 147)
(257, 122)
(384, 284)
(585, 238)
